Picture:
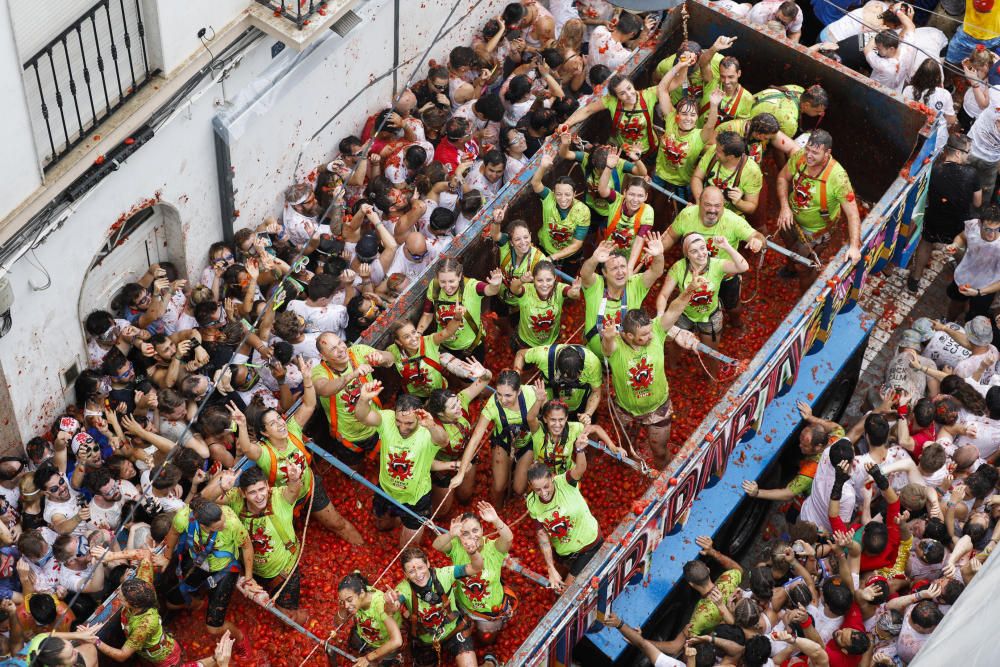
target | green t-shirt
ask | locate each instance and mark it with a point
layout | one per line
(432, 615)
(591, 375)
(566, 518)
(557, 454)
(638, 374)
(458, 433)
(404, 463)
(696, 83)
(784, 107)
(482, 592)
(806, 193)
(740, 105)
(514, 267)
(444, 311)
(624, 228)
(755, 148)
(419, 377)
(518, 434)
(678, 154)
(271, 456)
(229, 539)
(750, 179)
(733, 227)
(343, 421)
(272, 534)
(538, 320)
(144, 633)
(369, 624)
(634, 127)
(600, 305)
(593, 199)
(706, 615)
(705, 301)
(559, 228)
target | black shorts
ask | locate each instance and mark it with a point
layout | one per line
(505, 445)
(218, 595)
(729, 292)
(478, 353)
(362, 648)
(978, 305)
(350, 455)
(459, 642)
(319, 499)
(290, 594)
(575, 563)
(382, 507)
(937, 230)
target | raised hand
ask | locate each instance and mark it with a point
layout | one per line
(654, 244)
(370, 390)
(487, 512)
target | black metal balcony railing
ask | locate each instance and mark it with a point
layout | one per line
(85, 74)
(297, 11)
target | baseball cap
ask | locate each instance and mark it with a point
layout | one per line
(367, 249)
(924, 328)
(911, 339)
(979, 330)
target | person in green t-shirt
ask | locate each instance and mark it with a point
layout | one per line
(609, 295)
(758, 133)
(632, 116)
(418, 358)
(375, 635)
(565, 220)
(410, 442)
(789, 103)
(708, 62)
(729, 168)
(518, 256)
(638, 375)
(630, 218)
(813, 191)
(268, 515)
(736, 101)
(572, 374)
(540, 304)
(282, 442)
(429, 595)
(505, 417)
(710, 218)
(552, 436)
(482, 596)
(338, 377)
(451, 411)
(682, 143)
(592, 165)
(214, 545)
(446, 292)
(568, 534)
(700, 276)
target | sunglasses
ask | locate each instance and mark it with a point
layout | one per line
(60, 484)
(125, 373)
(82, 547)
(415, 257)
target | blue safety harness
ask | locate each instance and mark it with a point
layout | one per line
(199, 554)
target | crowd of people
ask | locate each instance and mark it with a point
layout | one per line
(185, 468)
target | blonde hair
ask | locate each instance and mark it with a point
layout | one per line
(571, 36)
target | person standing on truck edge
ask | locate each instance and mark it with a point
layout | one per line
(789, 103)
(338, 377)
(638, 373)
(710, 218)
(632, 116)
(567, 532)
(483, 597)
(409, 442)
(607, 296)
(813, 191)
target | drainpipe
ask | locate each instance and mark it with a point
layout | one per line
(224, 173)
(395, 49)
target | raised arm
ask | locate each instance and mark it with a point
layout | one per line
(362, 409)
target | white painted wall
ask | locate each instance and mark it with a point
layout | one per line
(178, 167)
(15, 133)
(172, 27)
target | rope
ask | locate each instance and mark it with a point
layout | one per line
(756, 274)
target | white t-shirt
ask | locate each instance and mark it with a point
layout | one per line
(490, 129)
(169, 503)
(766, 10)
(67, 510)
(825, 625)
(110, 517)
(412, 270)
(74, 580)
(985, 136)
(891, 72)
(12, 496)
(971, 106)
(849, 25)
(981, 264)
(307, 346)
(944, 350)
(95, 353)
(968, 367)
(300, 228)
(814, 509)
(47, 577)
(987, 439)
(330, 317)
(606, 50)
(909, 642)
(476, 180)
(664, 660)
(940, 101)
(174, 319)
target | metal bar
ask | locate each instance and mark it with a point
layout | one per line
(354, 476)
(45, 109)
(564, 276)
(715, 354)
(72, 86)
(86, 79)
(127, 40)
(395, 48)
(114, 51)
(100, 64)
(780, 249)
(622, 458)
(141, 28)
(514, 565)
(59, 99)
(285, 618)
(668, 193)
